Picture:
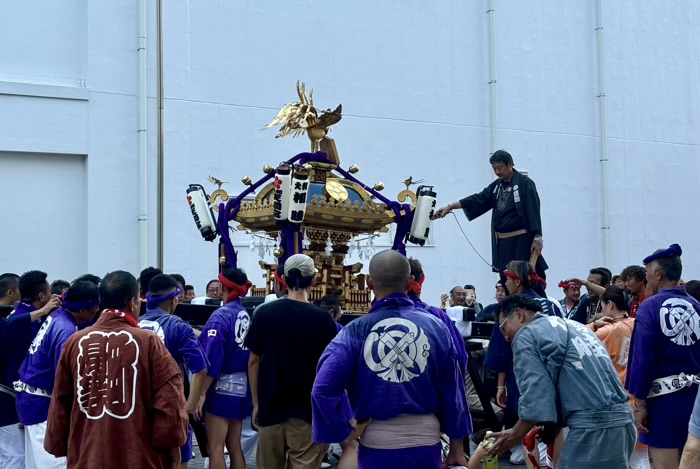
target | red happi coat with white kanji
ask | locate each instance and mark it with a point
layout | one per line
(118, 400)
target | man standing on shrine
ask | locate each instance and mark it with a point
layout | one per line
(516, 226)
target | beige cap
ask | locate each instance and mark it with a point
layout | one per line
(302, 262)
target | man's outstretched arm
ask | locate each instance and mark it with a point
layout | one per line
(474, 206)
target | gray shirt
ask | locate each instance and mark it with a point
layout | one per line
(587, 380)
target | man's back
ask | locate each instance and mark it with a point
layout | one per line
(178, 338)
(395, 360)
(551, 349)
(665, 343)
(290, 337)
(38, 370)
(670, 321)
(390, 349)
(118, 399)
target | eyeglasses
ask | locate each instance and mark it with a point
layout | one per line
(506, 320)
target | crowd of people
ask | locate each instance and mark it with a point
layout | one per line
(102, 372)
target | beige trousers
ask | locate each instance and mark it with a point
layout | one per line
(289, 445)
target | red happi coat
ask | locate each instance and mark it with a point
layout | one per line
(118, 400)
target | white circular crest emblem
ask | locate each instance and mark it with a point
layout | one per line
(241, 328)
(397, 350)
(153, 326)
(680, 322)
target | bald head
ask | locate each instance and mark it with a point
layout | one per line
(389, 271)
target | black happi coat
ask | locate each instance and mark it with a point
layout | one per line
(527, 203)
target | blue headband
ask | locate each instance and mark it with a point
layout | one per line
(152, 301)
(673, 250)
(76, 306)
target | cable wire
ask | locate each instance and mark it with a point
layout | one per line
(470, 243)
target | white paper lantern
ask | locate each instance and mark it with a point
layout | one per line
(298, 191)
(423, 215)
(283, 182)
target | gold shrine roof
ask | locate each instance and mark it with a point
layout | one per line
(358, 213)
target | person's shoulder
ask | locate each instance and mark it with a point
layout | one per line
(555, 306)
(263, 307)
(527, 336)
(148, 340)
(604, 332)
(525, 180)
(75, 338)
(625, 326)
(275, 305)
(427, 318)
(182, 326)
(140, 334)
(272, 309)
(60, 322)
(434, 314)
(438, 313)
(540, 324)
(217, 317)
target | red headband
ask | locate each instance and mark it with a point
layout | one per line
(279, 279)
(534, 278)
(236, 290)
(511, 275)
(417, 286)
(567, 285)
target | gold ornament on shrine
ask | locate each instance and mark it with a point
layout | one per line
(302, 117)
(339, 212)
(336, 191)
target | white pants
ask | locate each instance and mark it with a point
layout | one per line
(11, 447)
(36, 457)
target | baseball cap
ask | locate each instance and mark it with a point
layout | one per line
(302, 262)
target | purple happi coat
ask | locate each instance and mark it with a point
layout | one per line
(665, 342)
(222, 339)
(396, 360)
(38, 371)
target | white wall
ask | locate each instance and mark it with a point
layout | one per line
(412, 77)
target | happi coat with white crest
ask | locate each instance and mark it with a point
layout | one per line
(395, 361)
(38, 371)
(118, 399)
(665, 343)
(222, 339)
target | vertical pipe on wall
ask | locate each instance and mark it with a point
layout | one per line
(161, 130)
(493, 86)
(143, 138)
(603, 137)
